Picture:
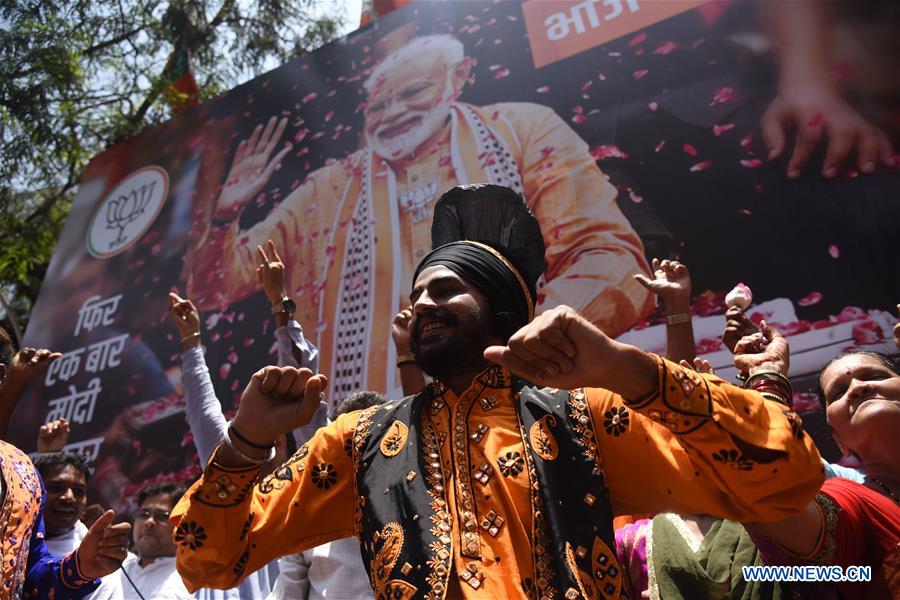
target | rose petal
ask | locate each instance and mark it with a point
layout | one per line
(660, 146)
(543, 89)
(701, 166)
(723, 95)
(640, 73)
(752, 163)
(720, 129)
(665, 48)
(638, 39)
(607, 151)
(689, 149)
(810, 299)
(834, 251)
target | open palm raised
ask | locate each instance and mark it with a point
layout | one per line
(251, 168)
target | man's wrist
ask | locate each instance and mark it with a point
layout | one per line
(769, 366)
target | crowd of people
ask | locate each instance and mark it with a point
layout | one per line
(520, 438)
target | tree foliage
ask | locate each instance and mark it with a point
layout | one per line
(76, 77)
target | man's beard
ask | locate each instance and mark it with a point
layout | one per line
(459, 351)
(406, 143)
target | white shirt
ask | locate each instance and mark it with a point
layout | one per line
(62, 544)
(333, 570)
(157, 581)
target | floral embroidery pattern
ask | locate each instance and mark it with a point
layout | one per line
(241, 563)
(394, 439)
(733, 459)
(246, 529)
(439, 562)
(796, 423)
(581, 422)
(616, 420)
(324, 476)
(190, 534)
(511, 465)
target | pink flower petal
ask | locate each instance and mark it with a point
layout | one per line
(720, 129)
(309, 97)
(834, 251)
(665, 48)
(607, 151)
(653, 106)
(752, 163)
(543, 89)
(867, 332)
(723, 95)
(689, 149)
(810, 299)
(640, 73)
(638, 39)
(701, 166)
(660, 146)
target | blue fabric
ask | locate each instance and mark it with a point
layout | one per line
(48, 576)
(836, 470)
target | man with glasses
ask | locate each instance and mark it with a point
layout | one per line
(354, 223)
(151, 572)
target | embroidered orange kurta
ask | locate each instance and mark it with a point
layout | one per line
(698, 445)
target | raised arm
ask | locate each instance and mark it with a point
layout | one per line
(672, 285)
(294, 350)
(203, 410)
(229, 523)
(670, 438)
(26, 364)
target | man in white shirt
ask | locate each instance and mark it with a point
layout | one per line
(65, 478)
(151, 572)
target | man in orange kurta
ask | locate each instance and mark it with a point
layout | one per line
(484, 484)
(354, 231)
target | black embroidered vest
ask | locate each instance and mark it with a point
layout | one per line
(404, 523)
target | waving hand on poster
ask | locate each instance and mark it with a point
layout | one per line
(251, 168)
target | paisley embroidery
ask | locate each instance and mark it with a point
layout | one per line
(391, 536)
(394, 439)
(542, 439)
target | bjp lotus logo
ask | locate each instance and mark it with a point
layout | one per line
(127, 212)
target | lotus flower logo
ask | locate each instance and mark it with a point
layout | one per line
(127, 212)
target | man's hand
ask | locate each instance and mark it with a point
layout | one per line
(270, 273)
(737, 326)
(186, 318)
(53, 436)
(104, 547)
(562, 349)
(251, 168)
(765, 350)
(671, 282)
(701, 365)
(400, 331)
(278, 400)
(817, 113)
(29, 363)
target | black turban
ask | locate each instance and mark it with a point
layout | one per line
(487, 269)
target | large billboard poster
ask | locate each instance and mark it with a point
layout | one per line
(631, 127)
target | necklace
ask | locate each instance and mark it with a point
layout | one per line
(886, 489)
